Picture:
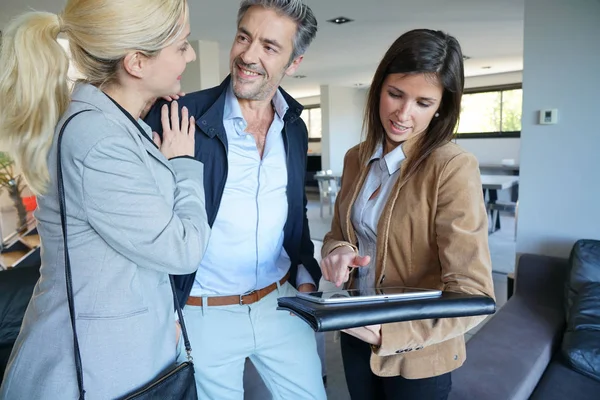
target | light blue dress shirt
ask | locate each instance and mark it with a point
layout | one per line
(245, 250)
(366, 212)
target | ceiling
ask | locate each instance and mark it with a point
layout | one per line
(490, 32)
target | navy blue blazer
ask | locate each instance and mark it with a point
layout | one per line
(207, 107)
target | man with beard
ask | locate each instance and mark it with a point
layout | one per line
(253, 145)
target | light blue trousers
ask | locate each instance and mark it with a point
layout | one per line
(281, 346)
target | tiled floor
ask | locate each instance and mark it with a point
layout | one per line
(502, 249)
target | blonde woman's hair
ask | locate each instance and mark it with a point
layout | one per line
(34, 90)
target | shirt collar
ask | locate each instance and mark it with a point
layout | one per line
(279, 104)
(393, 159)
(232, 108)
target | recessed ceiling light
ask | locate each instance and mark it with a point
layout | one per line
(340, 20)
(299, 76)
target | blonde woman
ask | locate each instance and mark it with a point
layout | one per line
(135, 207)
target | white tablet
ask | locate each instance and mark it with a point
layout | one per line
(373, 294)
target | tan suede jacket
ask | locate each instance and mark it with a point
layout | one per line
(432, 234)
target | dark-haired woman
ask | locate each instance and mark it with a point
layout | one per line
(410, 212)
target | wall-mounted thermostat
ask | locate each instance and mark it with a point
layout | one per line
(548, 117)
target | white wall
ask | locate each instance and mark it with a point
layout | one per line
(560, 164)
(202, 73)
(492, 151)
(341, 117)
(309, 101)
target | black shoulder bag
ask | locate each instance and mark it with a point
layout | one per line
(176, 384)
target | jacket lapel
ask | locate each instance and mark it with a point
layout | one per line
(383, 225)
(151, 148)
(94, 97)
(211, 121)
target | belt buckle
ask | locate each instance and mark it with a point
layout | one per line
(244, 295)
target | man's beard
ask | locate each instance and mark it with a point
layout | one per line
(262, 91)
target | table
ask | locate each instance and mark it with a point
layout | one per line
(491, 184)
(329, 177)
(498, 182)
(500, 167)
(329, 185)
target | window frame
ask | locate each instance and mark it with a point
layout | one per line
(491, 135)
(306, 108)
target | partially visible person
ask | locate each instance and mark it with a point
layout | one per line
(410, 212)
(253, 145)
(134, 207)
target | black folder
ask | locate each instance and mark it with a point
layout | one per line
(332, 317)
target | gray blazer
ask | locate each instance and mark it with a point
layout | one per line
(133, 218)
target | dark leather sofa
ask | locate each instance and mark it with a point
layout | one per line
(16, 287)
(545, 342)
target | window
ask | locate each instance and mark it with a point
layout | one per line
(491, 113)
(312, 118)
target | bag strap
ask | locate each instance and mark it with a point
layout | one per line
(186, 340)
(63, 222)
(69, 277)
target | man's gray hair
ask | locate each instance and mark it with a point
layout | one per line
(300, 13)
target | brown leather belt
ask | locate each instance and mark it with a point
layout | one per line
(242, 299)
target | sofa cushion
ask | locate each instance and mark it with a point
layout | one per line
(581, 343)
(16, 286)
(5, 350)
(584, 268)
(508, 355)
(560, 382)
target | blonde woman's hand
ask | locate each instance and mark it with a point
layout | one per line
(178, 137)
(149, 104)
(337, 265)
(174, 96)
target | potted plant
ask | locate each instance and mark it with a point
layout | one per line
(14, 184)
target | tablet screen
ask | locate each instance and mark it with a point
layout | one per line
(370, 294)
